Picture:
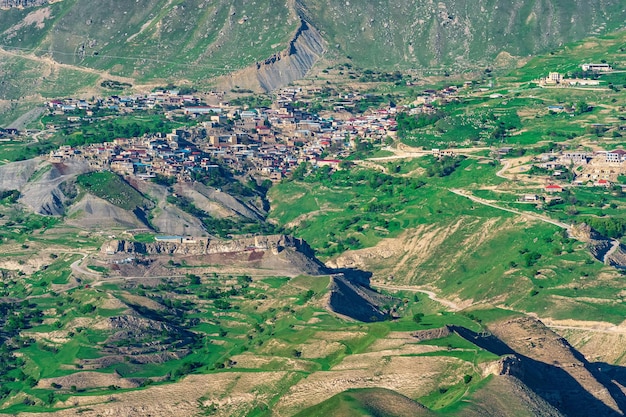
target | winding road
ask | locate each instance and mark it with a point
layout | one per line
(452, 306)
(77, 268)
(482, 201)
(611, 251)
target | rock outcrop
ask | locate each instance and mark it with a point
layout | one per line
(293, 63)
(352, 298)
(616, 257)
(290, 253)
(432, 334)
(205, 246)
(555, 370)
(509, 365)
(606, 250)
(306, 47)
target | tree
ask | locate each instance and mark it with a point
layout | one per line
(417, 317)
(193, 279)
(582, 107)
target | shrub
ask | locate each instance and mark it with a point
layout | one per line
(417, 317)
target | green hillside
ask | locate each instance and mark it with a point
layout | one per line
(457, 33)
(157, 40)
(152, 38)
(112, 188)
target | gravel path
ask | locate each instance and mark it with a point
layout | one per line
(539, 217)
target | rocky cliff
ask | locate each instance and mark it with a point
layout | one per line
(281, 68)
(204, 246)
(290, 252)
(294, 63)
(351, 297)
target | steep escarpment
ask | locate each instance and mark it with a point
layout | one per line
(352, 297)
(538, 371)
(205, 246)
(552, 368)
(505, 395)
(293, 63)
(275, 251)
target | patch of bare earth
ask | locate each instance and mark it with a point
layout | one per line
(597, 346)
(230, 393)
(410, 376)
(411, 248)
(35, 18)
(142, 301)
(599, 341)
(320, 349)
(401, 258)
(252, 361)
(400, 343)
(87, 380)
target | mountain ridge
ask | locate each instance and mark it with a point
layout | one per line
(197, 41)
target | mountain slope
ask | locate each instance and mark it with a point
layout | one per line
(366, 402)
(152, 41)
(455, 33)
(152, 38)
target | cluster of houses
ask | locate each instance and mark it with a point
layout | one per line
(168, 99)
(269, 142)
(6, 135)
(599, 168)
(558, 79)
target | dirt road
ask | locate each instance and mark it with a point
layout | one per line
(482, 201)
(452, 306)
(78, 269)
(593, 327)
(611, 251)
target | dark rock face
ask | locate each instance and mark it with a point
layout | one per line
(356, 300)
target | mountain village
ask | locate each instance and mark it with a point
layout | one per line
(266, 142)
(271, 141)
